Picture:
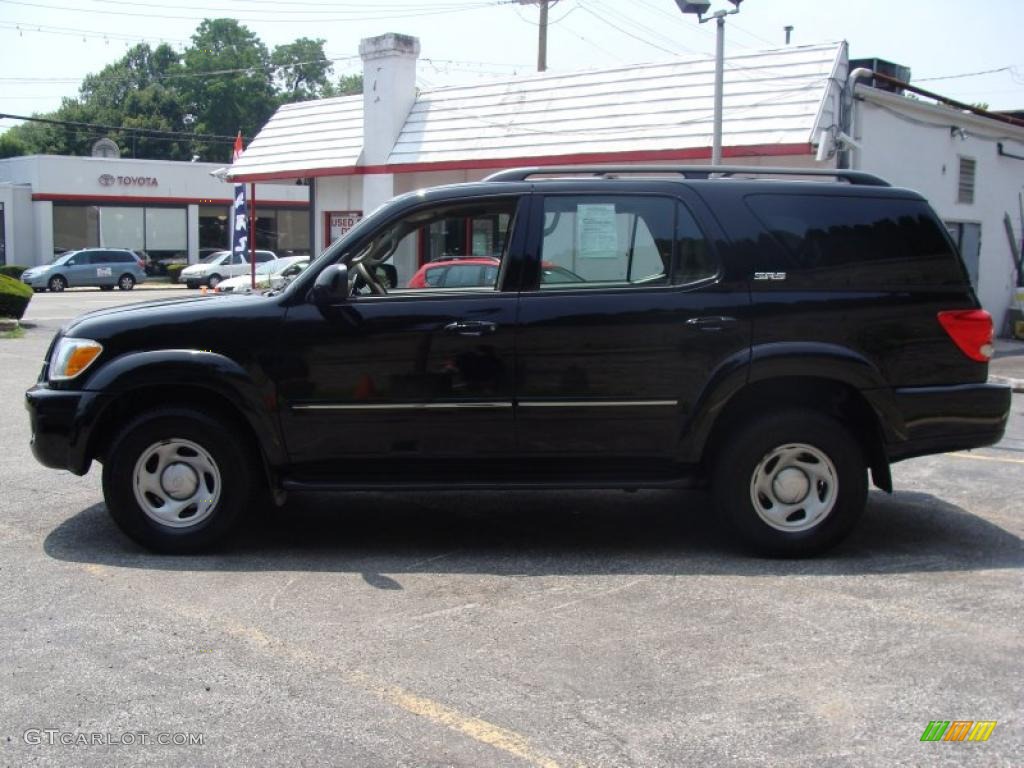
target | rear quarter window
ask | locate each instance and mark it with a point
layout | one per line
(858, 243)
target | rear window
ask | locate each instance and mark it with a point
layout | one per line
(858, 242)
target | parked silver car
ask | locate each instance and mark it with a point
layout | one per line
(102, 267)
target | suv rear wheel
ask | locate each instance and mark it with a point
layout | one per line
(126, 282)
(176, 480)
(212, 281)
(791, 484)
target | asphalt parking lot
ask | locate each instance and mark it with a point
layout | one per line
(515, 629)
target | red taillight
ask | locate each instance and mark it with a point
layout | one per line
(971, 329)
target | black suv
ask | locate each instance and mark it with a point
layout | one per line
(778, 338)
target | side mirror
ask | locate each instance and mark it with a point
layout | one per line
(331, 286)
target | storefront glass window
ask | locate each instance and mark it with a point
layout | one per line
(292, 232)
(75, 226)
(213, 227)
(122, 227)
(166, 229)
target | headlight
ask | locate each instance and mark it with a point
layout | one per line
(72, 356)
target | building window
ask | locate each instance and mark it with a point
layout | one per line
(213, 227)
(965, 181)
(158, 231)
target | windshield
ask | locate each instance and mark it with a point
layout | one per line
(63, 258)
(214, 258)
(267, 267)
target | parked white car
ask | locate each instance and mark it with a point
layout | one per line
(220, 265)
(269, 275)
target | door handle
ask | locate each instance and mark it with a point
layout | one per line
(471, 327)
(710, 322)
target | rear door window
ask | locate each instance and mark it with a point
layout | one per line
(599, 241)
(836, 241)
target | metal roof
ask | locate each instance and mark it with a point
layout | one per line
(306, 136)
(770, 97)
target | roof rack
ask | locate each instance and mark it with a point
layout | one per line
(859, 178)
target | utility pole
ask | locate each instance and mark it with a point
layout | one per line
(542, 31)
(542, 38)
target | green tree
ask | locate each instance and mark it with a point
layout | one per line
(229, 85)
(348, 85)
(301, 70)
(12, 146)
(224, 82)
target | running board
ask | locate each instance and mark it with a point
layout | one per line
(502, 484)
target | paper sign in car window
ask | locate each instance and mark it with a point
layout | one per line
(597, 234)
(102, 271)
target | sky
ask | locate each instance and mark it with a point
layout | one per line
(969, 51)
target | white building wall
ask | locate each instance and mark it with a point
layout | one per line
(912, 145)
(334, 193)
(62, 175)
(19, 233)
(42, 223)
(106, 181)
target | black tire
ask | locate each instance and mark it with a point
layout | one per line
(213, 280)
(232, 461)
(125, 282)
(106, 287)
(807, 441)
(57, 283)
(191, 284)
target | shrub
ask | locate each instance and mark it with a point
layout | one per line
(14, 297)
(174, 271)
(12, 270)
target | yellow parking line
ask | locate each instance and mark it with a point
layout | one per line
(475, 728)
(985, 458)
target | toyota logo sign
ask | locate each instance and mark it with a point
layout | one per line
(107, 180)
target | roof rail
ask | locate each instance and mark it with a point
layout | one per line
(687, 171)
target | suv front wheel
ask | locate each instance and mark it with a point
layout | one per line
(176, 480)
(792, 483)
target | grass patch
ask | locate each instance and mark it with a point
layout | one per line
(14, 333)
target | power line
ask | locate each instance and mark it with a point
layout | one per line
(22, 27)
(357, 7)
(214, 137)
(600, 18)
(964, 74)
(275, 20)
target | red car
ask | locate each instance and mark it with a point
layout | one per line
(467, 271)
(459, 272)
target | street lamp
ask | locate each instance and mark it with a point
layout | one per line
(700, 7)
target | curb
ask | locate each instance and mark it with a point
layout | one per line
(8, 324)
(1017, 385)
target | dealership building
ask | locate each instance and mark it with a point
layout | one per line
(50, 204)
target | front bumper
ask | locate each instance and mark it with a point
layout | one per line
(954, 418)
(36, 281)
(62, 422)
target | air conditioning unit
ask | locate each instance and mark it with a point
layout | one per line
(883, 67)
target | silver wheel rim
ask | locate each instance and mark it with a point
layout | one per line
(57, 285)
(213, 282)
(176, 483)
(794, 487)
(126, 283)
